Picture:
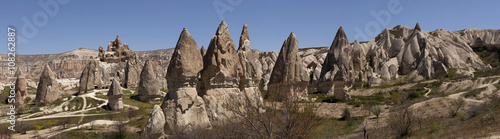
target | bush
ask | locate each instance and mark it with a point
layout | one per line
(402, 122)
(456, 105)
(414, 95)
(377, 110)
(346, 116)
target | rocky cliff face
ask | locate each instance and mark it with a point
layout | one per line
(48, 89)
(289, 78)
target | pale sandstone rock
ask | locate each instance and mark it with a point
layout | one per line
(115, 96)
(289, 77)
(183, 108)
(48, 89)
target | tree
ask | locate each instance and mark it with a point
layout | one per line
(402, 121)
(121, 127)
(377, 110)
(64, 122)
(131, 113)
(286, 119)
(455, 106)
(110, 116)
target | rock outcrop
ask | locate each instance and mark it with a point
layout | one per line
(115, 96)
(220, 76)
(98, 74)
(203, 51)
(116, 52)
(149, 86)
(132, 73)
(20, 88)
(155, 124)
(289, 78)
(337, 73)
(48, 89)
(182, 106)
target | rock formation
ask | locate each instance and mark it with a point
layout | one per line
(98, 74)
(220, 76)
(132, 73)
(115, 96)
(182, 106)
(149, 86)
(289, 78)
(20, 88)
(203, 51)
(48, 89)
(154, 125)
(116, 52)
(337, 73)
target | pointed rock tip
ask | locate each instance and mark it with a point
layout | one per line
(185, 32)
(341, 30)
(417, 27)
(292, 35)
(223, 23)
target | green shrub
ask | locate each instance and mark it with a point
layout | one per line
(377, 110)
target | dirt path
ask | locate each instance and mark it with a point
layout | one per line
(428, 91)
(459, 95)
(83, 109)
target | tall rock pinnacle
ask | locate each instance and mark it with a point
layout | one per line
(48, 89)
(288, 79)
(149, 86)
(182, 105)
(337, 71)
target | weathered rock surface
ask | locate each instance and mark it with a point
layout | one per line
(115, 96)
(203, 51)
(20, 88)
(183, 108)
(222, 75)
(48, 89)
(250, 76)
(155, 124)
(125, 66)
(149, 86)
(132, 73)
(338, 70)
(116, 52)
(289, 78)
(98, 75)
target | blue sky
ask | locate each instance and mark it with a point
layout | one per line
(155, 24)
